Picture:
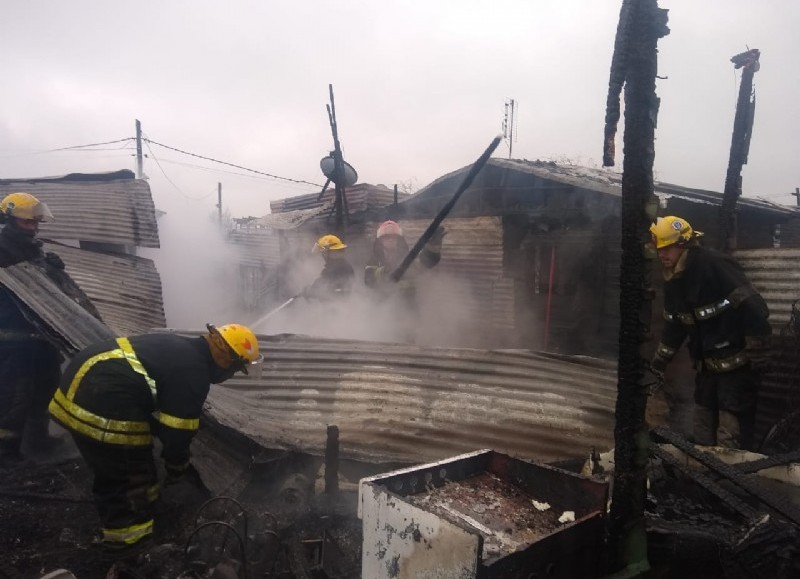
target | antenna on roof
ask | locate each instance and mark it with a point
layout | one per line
(508, 124)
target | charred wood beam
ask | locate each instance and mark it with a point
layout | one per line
(645, 24)
(751, 487)
(740, 145)
(615, 83)
(768, 462)
(736, 504)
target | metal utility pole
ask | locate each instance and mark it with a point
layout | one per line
(139, 170)
(797, 195)
(219, 203)
(740, 147)
(340, 201)
(634, 66)
(508, 124)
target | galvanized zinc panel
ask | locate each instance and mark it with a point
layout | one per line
(125, 289)
(93, 208)
(775, 273)
(413, 403)
(65, 322)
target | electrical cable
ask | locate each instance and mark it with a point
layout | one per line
(171, 182)
(150, 141)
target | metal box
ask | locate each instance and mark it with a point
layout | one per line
(481, 515)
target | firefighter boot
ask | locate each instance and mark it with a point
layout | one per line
(38, 439)
(10, 454)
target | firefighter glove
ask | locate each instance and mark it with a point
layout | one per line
(435, 242)
(658, 366)
(176, 472)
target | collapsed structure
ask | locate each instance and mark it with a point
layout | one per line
(396, 404)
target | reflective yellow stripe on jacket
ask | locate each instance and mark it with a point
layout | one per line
(129, 535)
(128, 432)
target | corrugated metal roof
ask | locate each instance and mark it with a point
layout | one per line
(110, 208)
(125, 289)
(360, 197)
(610, 182)
(411, 404)
(67, 323)
(775, 273)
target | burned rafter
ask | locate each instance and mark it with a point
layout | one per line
(741, 480)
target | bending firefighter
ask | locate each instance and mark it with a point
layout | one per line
(708, 299)
(29, 364)
(116, 395)
(336, 278)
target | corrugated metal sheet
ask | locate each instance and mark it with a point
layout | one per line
(775, 273)
(472, 253)
(94, 208)
(125, 289)
(412, 404)
(360, 197)
(610, 182)
(65, 322)
(257, 247)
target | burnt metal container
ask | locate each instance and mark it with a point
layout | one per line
(481, 515)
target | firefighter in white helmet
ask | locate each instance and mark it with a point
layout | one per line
(709, 300)
(29, 364)
(336, 279)
(389, 250)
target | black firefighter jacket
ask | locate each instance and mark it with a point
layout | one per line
(713, 304)
(122, 392)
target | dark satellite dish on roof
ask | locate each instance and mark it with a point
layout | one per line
(328, 167)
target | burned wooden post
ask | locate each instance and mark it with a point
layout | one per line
(740, 146)
(332, 461)
(340, 199)
(634, 65)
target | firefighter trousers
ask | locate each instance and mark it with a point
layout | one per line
(29, 374)
(726, 408)
(125, 490)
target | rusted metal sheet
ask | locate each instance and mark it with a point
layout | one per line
(104, 208)
(395, 402)
(126, 289)
(524, 519)
(65, 322)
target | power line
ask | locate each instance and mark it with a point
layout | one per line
(171, 182)
(150, 141)
(89, 145)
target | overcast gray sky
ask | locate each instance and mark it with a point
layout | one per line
(420, 88)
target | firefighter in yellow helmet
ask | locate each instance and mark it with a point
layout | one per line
(336, 279)
(709, 301)
(29, 364)
(115, 396)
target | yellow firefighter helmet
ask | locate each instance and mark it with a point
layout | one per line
(25, 206)
(670, 230)
(241, 340)
(328, 243)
